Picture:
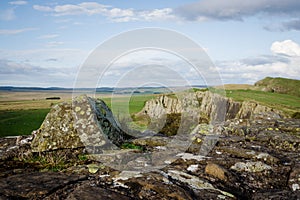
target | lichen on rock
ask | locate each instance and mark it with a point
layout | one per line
(86, 122)
(57, 131)
(207, 107)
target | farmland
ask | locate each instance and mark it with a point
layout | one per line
(23, 112)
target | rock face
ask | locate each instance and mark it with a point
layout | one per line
(205, 107)
(84, 122)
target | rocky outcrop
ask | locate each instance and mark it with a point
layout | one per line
(253, 159)
(205, 107)
(85, 122)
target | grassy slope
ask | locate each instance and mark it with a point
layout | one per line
(287, 103)
(281, 85)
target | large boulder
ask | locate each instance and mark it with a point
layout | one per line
(84, 122)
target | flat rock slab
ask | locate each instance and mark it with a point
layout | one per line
(88, 192)
(35, 185)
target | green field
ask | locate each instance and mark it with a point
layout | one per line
(287, 103)
(136, 103)
(23, 122)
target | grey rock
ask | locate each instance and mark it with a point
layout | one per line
(250, 167)
(35, 185)
(85, 122)
(88, 192)
(210, 107)
(294, 179)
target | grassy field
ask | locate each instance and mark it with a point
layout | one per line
(287, 103)
(136, 103)
(20, 113)
(21, 116)
(21, 122)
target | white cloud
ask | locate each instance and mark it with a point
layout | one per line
(117, 12)
(25, 74)
(40, 67)
(37, 57)
(158, 14)
(285, 62)
(42, 8)
(54, 44)
(151, 66)
(15, 31)
(19, 3)
(112, 13)
(286, 47)
(87, 8)
(48, 36)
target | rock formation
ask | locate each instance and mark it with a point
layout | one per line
(205, 106)
(254, 159)
(85, 122)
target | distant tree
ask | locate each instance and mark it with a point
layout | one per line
(53, 98)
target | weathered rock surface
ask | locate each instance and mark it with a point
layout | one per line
(205, 107)
(88, 192)
(253, 159)
(35, 185)
(84, 122)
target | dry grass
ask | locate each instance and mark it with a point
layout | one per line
(34, 100)
(27, 104)
(237, 87)
(30, 100)
(38, 95)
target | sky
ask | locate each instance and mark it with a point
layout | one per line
(46, 43)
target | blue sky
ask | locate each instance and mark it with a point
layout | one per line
(44, 43)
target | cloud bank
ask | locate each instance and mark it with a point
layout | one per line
(287, 12)
(283, 62)
(237, 10)
(112, 13)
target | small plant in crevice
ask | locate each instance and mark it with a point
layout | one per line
(56, 160)
(171, 125)
(296, 115)
(131, 146)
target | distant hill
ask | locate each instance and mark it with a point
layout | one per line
(280, 85)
